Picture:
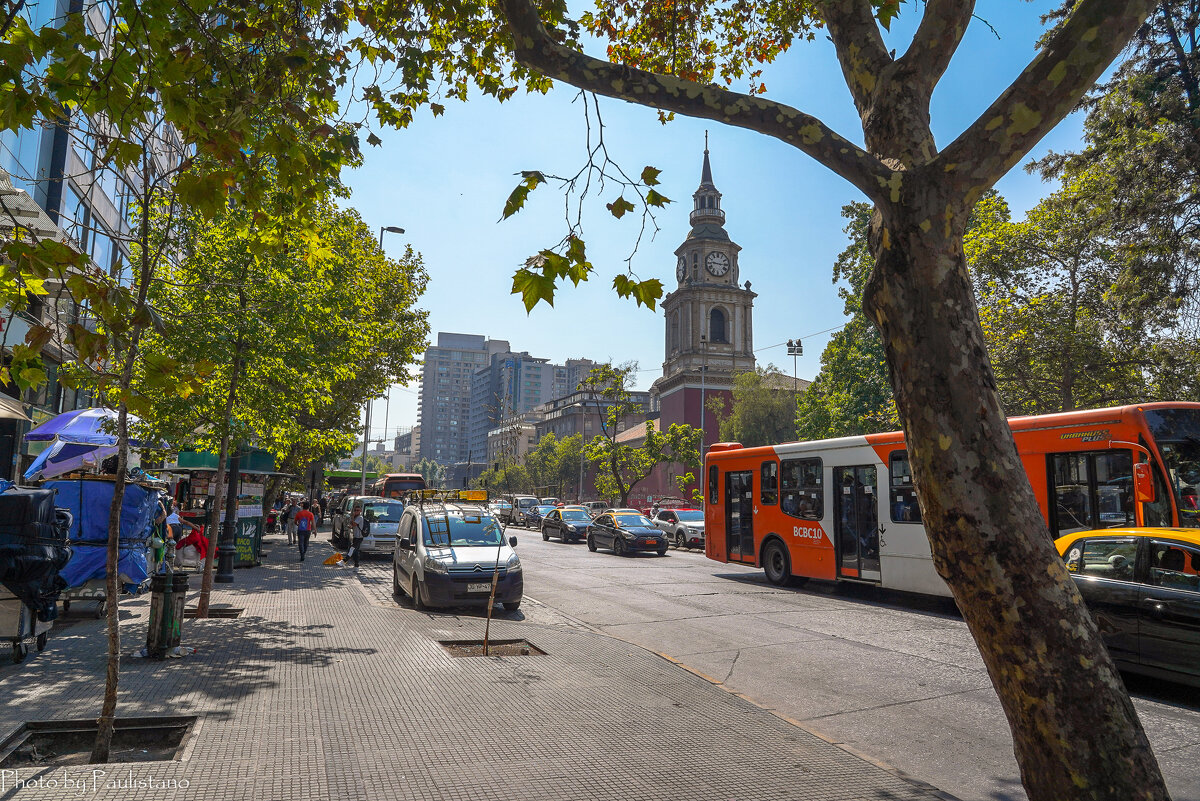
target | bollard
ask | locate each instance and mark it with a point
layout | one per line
(168, 594)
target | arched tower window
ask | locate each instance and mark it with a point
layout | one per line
(716, 326)
(675, 331)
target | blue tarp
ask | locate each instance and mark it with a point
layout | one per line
(89, 500)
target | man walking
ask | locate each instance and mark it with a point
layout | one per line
(304, 528)
(289, 519)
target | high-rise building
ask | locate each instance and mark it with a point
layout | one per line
(444, 407)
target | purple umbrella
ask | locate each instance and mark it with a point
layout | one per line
(66, 457)
(82, 426)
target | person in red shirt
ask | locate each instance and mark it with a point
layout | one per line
(305, 523)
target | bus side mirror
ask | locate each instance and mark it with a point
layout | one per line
(1143, 484)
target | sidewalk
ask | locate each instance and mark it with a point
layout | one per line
(322, 689)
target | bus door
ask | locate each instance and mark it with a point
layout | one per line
(856, 522)
(739, 516)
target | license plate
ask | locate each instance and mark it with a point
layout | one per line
(649, 542)
(485, 586)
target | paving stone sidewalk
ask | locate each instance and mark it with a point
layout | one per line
(327, 689)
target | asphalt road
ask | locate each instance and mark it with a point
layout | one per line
(893, 676)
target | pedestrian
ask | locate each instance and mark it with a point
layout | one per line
(358, 527)
(289, 519)
(305, 524)
(318, 509)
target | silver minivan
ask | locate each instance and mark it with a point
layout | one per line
(448, 553)
(383, 523)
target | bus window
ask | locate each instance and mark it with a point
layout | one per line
(1091, 490)
(769, 490)
(904, 495)
(1157, 513)
(712, 484)
(803, 495)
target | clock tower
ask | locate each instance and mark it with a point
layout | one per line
(709, 317)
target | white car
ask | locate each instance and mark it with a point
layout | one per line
(383, 523)
(448, 553)
(684, 527)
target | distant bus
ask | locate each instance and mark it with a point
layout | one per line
(397, 485)
(846, 510)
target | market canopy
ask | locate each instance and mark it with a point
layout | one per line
(82, 427)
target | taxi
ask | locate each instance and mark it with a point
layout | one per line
(1142, 586)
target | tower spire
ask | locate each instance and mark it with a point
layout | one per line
(706, 179)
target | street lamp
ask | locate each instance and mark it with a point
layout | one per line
(795, 348)
(703, 375)
(362, 484)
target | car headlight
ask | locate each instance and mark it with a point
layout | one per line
(514, 564)
(571, 529)
(434, 566)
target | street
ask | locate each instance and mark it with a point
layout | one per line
(893, 677)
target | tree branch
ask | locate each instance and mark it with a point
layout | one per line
(859, 45)
(534, 48)
(1041, 96)
(936, 40)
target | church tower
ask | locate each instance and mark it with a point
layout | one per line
(709, 316)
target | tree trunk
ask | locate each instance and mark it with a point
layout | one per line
(112, 591)
(989, 541)
(206, 581)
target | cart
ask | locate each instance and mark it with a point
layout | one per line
(19, 624)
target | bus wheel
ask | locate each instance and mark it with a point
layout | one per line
(776, 563)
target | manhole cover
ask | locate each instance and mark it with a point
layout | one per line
(215, 611)
(69, 742)
(495, 648)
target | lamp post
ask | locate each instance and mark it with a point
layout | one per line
(227, 543)
(362, 484)
(703, 375)
(795, 348)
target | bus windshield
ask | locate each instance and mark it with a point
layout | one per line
(1177, 434)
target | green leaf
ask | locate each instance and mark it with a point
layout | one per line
(650, 176)
(619, 206)
(653, 198)
(533, 288)
(530, 180)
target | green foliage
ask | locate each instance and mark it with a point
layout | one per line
(375, 464)
(763, 410)
(620, 466)
(433, 473)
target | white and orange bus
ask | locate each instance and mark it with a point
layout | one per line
(845, 509)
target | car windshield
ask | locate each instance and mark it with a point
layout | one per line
(690, 516)
(543, 509)
(630, 519)
(384, 512)
(525, 503)
(576, 514)
(463, 529)
(1177, 432)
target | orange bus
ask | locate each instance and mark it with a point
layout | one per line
(845, 509)
(397, 485)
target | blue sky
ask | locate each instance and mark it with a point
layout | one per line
(445, 181)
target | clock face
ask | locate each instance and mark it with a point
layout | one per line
(717, 263)
(681, 268)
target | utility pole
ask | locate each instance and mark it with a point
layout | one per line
(795, 349)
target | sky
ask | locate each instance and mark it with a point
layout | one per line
(445, 180)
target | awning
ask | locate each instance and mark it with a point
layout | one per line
(12, 409)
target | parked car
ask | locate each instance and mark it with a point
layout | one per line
(534, 516)
(341, 518)
(447, 558)
(626, 532)
(683, 527)
(569, 524)
(383, 522)
(500, 509)
(1142, 586)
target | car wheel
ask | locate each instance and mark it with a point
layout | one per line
(776, 563)
(591, 542)
(418, 601)
(512, 606)
(618, 546)
(680, 539)
(545, 535)
(662, 551)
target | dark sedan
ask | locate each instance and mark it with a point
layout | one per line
(569, 525)
(626, 533)
(535, 515)
(1142, 586)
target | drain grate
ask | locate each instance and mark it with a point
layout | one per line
(215, 611)
(495, 648)
(49, 743)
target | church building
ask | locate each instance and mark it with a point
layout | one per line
(709, 327)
